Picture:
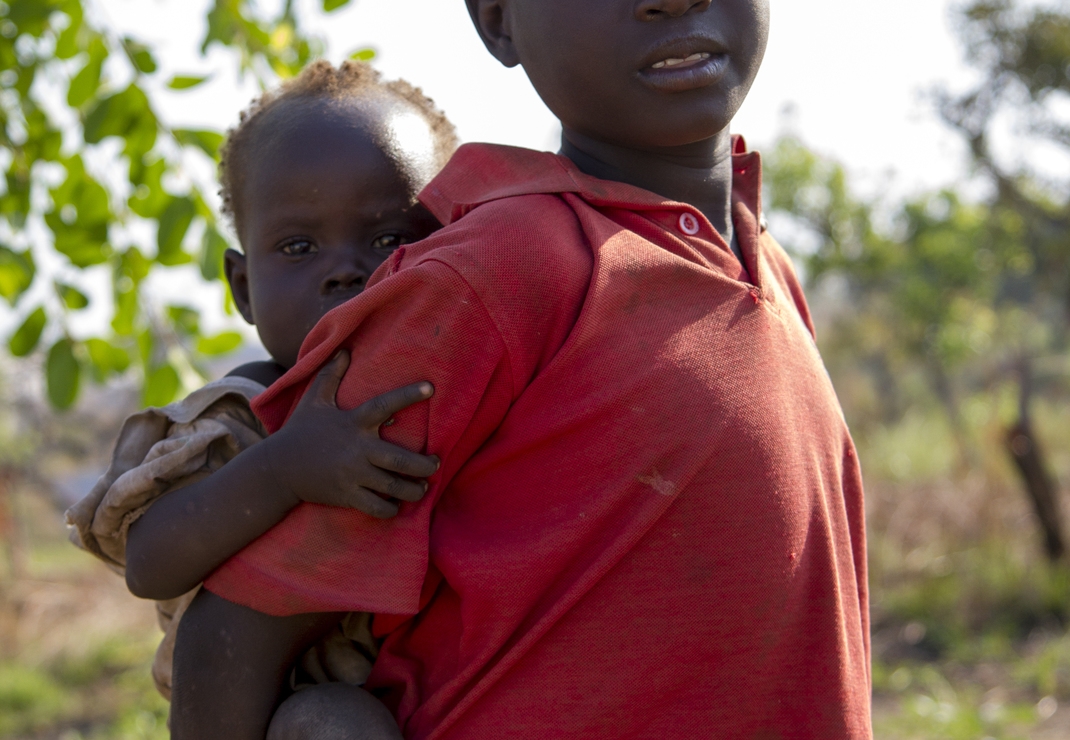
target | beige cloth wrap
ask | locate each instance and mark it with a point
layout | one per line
(161, 450)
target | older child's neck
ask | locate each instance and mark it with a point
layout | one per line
(699, 174)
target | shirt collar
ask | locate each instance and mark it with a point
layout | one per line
(481, 173)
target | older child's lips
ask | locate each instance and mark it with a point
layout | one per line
(678, 74)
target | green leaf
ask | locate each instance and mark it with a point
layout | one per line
(187, 82)
(72, 298)
(220, 344)
(43, 141)
(25, 339)
(174, 223)
(85, 194)
(146, 343)
(139, 55)
(161, 386)
(149, 197)
(185, 320)
(207, 141)
(202, 208)
(134, 265)
(27, 75)
(80, 217)
(85, 84)
(126, 114)
(83, 247)
(67, 43)
(106, 358)
(16, 273)
(63, 374)
(31, 16)
(332, 5)
(363, 55)
(213, 246)
(126, 311)
(15, 203)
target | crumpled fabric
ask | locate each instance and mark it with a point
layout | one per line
(160, 450)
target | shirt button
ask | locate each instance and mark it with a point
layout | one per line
(689, 224)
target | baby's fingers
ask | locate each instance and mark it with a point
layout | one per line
(377, 411)
(324, 386)
(394, 486)
(399, 460)
(364, 500)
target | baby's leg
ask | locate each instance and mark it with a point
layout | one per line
(333, 711)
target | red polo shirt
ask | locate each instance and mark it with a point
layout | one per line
(649, 519)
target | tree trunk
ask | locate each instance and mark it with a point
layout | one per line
(1039, 484)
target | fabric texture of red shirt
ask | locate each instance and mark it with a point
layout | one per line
(649, 519)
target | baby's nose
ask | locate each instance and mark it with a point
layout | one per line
(344, 277)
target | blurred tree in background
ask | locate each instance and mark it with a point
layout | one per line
(72, 88)
(971, 295)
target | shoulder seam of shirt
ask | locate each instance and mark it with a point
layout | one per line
(557, 160)
(489, 315)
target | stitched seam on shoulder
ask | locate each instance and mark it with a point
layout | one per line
(568, 172)
(488, 314)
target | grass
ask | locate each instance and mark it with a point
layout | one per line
(977, 648)
(970, 623)
(103, 694)
(75, 651)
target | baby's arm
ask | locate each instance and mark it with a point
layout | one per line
(323, 455)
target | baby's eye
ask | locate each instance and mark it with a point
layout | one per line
(390, 242)
(297, 247)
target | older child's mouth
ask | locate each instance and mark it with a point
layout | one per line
(681, 73)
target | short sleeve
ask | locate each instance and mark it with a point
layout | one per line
(422, 323)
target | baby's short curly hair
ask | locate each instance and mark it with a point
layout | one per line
(322, 81)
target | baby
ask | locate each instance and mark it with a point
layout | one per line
(320, 180)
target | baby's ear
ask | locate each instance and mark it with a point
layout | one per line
(492, 22)
(236, 269)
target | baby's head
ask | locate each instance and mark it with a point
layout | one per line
(320, 180)
(642, 74)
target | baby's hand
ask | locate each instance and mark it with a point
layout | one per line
(325, 455)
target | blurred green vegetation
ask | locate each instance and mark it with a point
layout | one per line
(969, 618)
(75, 647)
(944, 320)
(946, 301)
(105, 694)
(74, 92)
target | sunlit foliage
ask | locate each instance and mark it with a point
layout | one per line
(71, 87)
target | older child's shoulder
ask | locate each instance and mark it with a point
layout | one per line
(500, 196)
(507, 231)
